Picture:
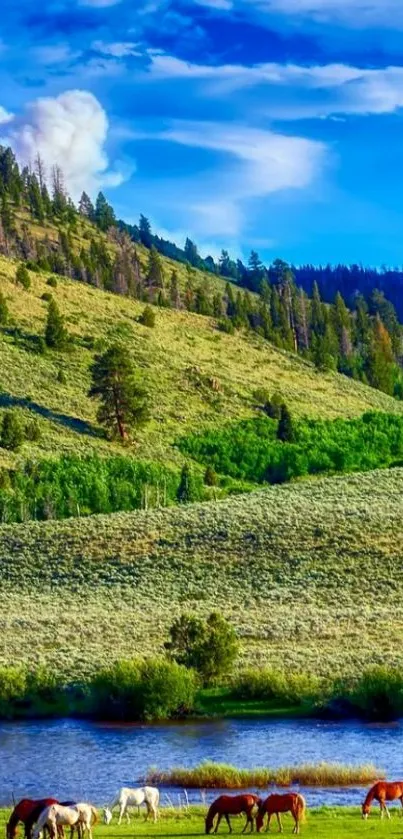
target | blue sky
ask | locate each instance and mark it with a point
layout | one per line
(268, 124)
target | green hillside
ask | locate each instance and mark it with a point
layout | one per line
(309, 573)
(196, 374)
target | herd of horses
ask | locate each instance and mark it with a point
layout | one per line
(50, 816)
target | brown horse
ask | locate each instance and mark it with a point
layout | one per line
(22, 813)
(232, 805)
(383, 791)
(287, 802)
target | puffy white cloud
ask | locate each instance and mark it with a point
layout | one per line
(70, 131)
(315, 91)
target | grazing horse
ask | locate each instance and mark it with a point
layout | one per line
(287, 802)
(127, 797)
(383, 791)
(232, 805)
(23, 812)
(79, 815)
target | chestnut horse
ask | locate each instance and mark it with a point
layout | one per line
(383, 791)
(232, 805)
(23, 812)
(287, 802)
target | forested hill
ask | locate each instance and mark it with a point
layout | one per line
(40, 225)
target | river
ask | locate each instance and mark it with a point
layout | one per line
(78, 760)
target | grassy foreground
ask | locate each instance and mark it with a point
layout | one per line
(323, 822)
(304, 571)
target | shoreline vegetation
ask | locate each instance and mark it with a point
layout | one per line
(159, 689)
(210, 775)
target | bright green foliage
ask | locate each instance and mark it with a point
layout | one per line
(104, 214)
(153, 689)
(286, 689)
(376, 695)
(55, 331)
(155, 275)
(210, 646)
(124, 400)
(12, 431)
(210, 477)
(22, 277)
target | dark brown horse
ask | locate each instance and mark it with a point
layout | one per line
(23, 812)
(287, 802)
(232, 805)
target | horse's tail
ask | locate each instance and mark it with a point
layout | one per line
(301, 808)
(94, 812)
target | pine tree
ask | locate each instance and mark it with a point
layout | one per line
(145, 232)
(318, 313)
(59, 200)
(187, 491)
(123, 399)
(55, 331)
(4, 313)
(22, 277)
(155, 277)
(147, 317)
(285, 430)
(86, 207)
(104, 215)
(174, 290)
(380, 363)
(191, 253)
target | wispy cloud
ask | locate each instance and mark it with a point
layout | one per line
(118, 49)
(315, 91)
(352, 13)
(255, 163)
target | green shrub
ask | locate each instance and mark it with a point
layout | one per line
(46, 296)
(376, 695)
(226, 325)
(32, 431)
(210, 477)
(147, 317)
(285, 689)
(22, 277)
(12, 690)
(61, 376)
(52, 282)
(210, 646)
(143, 690)
(4, 313)
(12, 431)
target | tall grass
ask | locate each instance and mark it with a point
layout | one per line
(224, 776)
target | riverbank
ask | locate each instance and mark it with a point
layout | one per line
(323, 822)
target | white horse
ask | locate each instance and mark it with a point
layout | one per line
(127, 797)
(80, 815)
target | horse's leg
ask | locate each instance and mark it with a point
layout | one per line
(228, 822)
(121, 813)
(280, 826)
(217, 822)
(268, 822)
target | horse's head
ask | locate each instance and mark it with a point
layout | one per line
(260, 815)
(107, 815)
(365, 810)
(208, 823)
(11, 830)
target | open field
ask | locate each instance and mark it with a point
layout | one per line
(323, 822)
(304, 571)
(196, 375)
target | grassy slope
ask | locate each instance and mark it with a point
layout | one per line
(180, 341)
(324, 822)
(305, 572)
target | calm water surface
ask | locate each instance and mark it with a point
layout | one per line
(80, 760)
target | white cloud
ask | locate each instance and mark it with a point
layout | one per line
(353, 13)
(118, 49)
(255, 164)
(55, 54)
(315, 91)
(70, 131)
(5, 116)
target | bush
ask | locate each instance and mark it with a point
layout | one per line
(4, 313)
(61, 377)
(52, 282)
(210, 477)
(12, 431)
(286, 689)
(46, 296)
(22, 277)
(210, 647)
(147, 317)
(376, 695)
(32, 431)
(226, 325)
(12, 690)
(143, 690)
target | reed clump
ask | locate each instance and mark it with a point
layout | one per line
(210, 775)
